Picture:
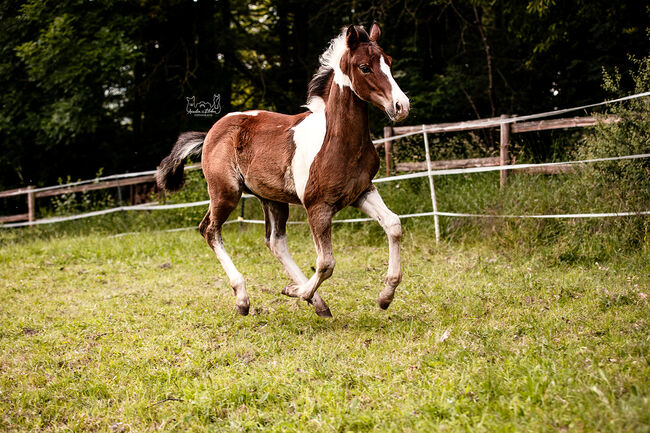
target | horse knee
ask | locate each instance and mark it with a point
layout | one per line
(394, 228)
(326, 265)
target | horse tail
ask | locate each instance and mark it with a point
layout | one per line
(169, 175)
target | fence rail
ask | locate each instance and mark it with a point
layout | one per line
(33, 193)
(508, 125)
(506, 128)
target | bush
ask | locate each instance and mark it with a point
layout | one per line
(620, 186)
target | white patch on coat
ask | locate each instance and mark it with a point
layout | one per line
(331, 60)
(315, 104)
(308, 136)
(245, 113)
(396, 93)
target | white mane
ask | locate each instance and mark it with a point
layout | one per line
(331, 58)
(330, 61)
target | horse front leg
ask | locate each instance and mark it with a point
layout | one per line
(372, 205)
(320, 222)
(276, 215)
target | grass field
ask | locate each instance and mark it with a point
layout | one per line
(138, 333)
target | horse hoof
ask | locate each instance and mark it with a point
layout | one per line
(243, 309)
(384, 303)
(290, 290)
(324, 313)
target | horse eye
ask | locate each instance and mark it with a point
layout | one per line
(365, 69)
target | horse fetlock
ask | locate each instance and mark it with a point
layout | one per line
(306, 295)
(238, 283)
(393, 281)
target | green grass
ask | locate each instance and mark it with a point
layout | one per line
(139, 333)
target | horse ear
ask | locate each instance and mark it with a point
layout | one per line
(375, 32)
(352, 37)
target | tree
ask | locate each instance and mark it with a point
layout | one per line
(103, 84)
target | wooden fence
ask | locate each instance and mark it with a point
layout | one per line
(506, 129)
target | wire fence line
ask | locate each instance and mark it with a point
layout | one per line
(506, 120)
(428, 173)
(485, 123)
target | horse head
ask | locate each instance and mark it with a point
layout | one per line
(367, 70)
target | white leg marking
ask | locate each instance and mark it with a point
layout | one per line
(308, 136)
(372, 205)
(325, 263)
(236, 278)
(280, 249)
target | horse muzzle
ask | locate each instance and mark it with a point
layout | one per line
(399, 110)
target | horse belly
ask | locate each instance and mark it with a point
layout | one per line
(264, 160)
(271, 179)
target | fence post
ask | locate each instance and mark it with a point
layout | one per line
(388, 147)
(504, 145)
(431, 187)
(119, 193)
(31, 204)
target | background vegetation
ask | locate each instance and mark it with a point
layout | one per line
(102, 84)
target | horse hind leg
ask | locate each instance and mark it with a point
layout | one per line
(320, 222)
(275, 216)
(210, 228)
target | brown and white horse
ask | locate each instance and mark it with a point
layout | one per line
(322, 159)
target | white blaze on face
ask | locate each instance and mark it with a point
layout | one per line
(397, 95)
(308, 136)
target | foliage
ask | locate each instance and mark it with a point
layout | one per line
(72, 203)
(65, 67)
(99, 84)
(624, 183)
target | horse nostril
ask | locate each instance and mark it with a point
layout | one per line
(398, 107)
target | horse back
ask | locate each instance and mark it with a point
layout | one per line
(254, 148)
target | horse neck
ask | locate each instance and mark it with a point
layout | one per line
(347, 119)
